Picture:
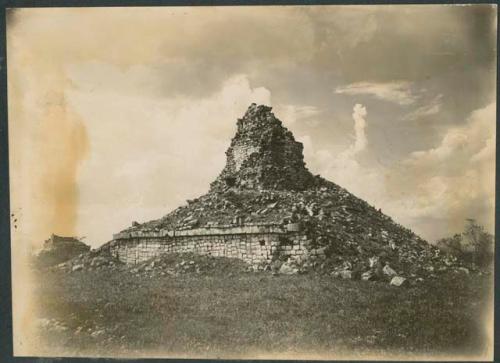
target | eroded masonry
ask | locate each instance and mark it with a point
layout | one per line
(266, 205)
(251, 243)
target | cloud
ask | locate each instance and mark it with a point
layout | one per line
(459, 144)
(290, 114)
(350, 27)
(359, 114)
(148, 155)
(486, 153)
(450, 182)
(430, 109)
(360, 140)
(432, 190)
(344, 168)
(397, 92)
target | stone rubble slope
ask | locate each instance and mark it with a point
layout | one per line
(265, 181)
(89, 261)
(58, 249)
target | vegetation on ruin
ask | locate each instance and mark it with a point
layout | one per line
(474, 246)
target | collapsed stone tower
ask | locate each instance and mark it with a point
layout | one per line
(265, 206)
(263, 155)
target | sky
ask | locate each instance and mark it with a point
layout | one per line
(121, 114)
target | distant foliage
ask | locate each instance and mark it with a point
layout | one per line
(474, 245)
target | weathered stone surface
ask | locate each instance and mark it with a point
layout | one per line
(287, 269)
(368, 275)
(398, 281)
(77, 268)
(58, 249)
(345, 274)
(263, 155)
(387, 270)
(266, 206)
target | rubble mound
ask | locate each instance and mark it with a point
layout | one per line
(265, 181)
(175, 264)
(89, 261)
(58, 249)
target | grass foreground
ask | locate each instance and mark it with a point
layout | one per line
(227, 312)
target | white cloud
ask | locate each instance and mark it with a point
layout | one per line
(398, 92)
(290, 114)
(148, 155)
(344, 168)
(487, 152)
(359, 114)
(433, 190)
(460, 143)
(426, 110)
(454, 180)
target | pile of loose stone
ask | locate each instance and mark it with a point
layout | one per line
(89, 261)
(188, 263)
(266, 181)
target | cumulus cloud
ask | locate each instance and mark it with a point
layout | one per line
(450, 182)
(423, 111)
(398, 92)
(358, 115)
(459, 144)
(290, 114)
(432, 190)
(344, 168)
(139, 148)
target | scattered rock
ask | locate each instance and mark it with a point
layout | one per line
(57, 249)
(368, 275)
(97, 333)
(345, 274)
(398, 281)
(388, 271)
(286, 269)
(275, 265)
(77, 268)
(265, 183)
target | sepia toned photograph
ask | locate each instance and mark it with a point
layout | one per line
(253, 182)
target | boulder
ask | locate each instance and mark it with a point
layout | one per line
(388, 271)
(98, 261)
(276, 265)
(346, 274)
(293, 227)
(77, 268)
(372, 261)
(287, 269)
(398, 281)
(367, 276)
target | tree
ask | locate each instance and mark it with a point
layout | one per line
(479, 243)
(474, 245)
(451, 245)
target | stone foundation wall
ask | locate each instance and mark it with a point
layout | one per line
(248, 245)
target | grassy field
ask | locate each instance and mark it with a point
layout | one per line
(228, 312)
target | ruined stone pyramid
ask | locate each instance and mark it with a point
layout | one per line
(265, 182)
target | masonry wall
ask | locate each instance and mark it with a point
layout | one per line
(250, 247)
